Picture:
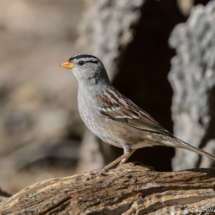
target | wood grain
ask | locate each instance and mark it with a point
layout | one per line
(131, 189)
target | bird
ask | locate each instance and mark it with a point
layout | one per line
(113, 117)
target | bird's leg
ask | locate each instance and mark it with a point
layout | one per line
(106, 168)
(122, 159)
(127, 153)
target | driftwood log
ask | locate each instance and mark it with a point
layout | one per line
(130, 189)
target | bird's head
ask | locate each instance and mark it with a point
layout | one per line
(87, 68)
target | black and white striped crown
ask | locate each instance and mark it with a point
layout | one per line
(83, 56)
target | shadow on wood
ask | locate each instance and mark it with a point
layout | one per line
(130, 189)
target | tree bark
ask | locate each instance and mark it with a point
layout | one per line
(130, 189)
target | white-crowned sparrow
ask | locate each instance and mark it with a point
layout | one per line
(113, 117)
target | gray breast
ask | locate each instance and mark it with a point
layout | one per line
(96, 123)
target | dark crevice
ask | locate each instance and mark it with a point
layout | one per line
(211, 128)
(55, 209)
(174, 202)
(159, 205)
(202, 2)
(118, 211)
(152, 191)
(143, 71)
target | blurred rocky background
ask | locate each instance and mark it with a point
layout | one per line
(41, 133)
(192, 77)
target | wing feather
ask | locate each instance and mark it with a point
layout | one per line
(116, 106)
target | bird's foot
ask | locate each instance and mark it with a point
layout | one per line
(95, 173)
(135, 163)
(143, 165)
(131, 163)
(122, 164)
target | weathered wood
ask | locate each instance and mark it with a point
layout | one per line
(130, 189)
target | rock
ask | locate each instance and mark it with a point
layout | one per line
(192, 77)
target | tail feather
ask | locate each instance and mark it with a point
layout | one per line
(195, 149)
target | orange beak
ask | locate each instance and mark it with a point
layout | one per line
(67, 65)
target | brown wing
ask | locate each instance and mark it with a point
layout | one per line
(117, 107)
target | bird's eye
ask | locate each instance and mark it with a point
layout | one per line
(81, 62)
